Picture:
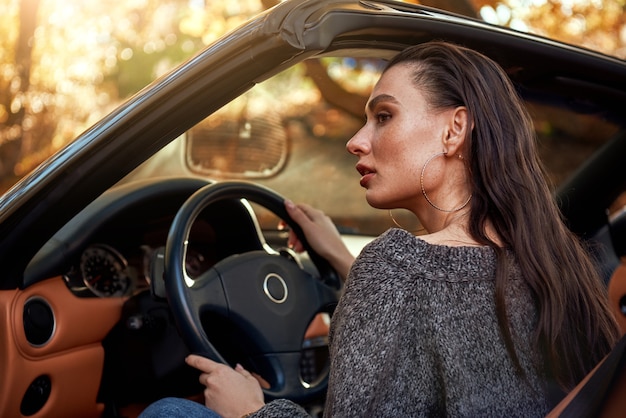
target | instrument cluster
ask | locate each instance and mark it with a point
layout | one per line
(105, 271)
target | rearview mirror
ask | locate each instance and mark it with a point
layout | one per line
(242, 147)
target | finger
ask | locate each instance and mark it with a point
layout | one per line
(201, 363)
(310, 212)
(264, 383)
(293, 242)
(205, 379)
(296, 212)
(242, 371)
(248, 375)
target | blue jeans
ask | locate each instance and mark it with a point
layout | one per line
(177, 407)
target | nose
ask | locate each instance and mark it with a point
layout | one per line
(358, 144)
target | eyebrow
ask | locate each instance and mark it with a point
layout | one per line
(379, 99)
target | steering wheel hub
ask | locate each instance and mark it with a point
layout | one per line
(275, 288)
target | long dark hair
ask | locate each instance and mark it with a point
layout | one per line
(575, 328)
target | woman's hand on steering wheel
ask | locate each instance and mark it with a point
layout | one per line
(321, 234)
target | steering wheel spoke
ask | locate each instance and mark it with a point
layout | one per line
(207, 293)
(286, 379)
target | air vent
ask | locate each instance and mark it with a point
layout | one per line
(36, 396)
(39, 323)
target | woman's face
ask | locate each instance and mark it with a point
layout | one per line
(400, 133)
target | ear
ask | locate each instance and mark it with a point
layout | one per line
(457, 128)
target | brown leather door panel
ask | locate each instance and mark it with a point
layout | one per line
(72, 359)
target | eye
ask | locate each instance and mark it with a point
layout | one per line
(382, 117)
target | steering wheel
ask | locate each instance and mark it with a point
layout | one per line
(266, 296)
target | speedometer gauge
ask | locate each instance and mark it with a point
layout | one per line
(104, 271)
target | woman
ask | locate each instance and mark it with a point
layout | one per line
(485, 313)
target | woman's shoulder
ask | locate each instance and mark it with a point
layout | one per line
(399, 239)
(407, 251)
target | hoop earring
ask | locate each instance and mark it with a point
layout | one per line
(396, 223)
(456, 209)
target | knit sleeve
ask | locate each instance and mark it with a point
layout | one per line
(280, 408)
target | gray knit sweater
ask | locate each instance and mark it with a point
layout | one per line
(416, 334)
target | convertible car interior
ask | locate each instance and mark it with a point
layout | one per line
(161, 230)
(98, 315)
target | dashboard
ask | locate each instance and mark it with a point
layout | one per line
(110, 249)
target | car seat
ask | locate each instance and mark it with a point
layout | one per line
(617, 295)
(602, 393)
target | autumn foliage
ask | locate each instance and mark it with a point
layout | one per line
(65, 64)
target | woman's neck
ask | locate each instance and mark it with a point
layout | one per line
(453, 230)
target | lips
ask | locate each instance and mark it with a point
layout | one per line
(366, 174)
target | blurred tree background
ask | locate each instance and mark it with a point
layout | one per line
(64, 64)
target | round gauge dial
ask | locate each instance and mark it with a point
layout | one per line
(195, 263)
(104, 271)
